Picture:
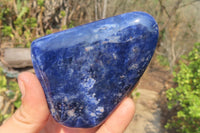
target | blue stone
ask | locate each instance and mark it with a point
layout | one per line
(86, 71)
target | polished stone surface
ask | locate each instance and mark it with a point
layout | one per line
(87, 70)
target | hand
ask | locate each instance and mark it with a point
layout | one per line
(33, 116)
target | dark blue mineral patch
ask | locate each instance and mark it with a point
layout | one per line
(87, 70)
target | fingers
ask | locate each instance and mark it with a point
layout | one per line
(120, 118)
(33, 113)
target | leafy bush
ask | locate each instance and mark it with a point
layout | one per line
(185, 98)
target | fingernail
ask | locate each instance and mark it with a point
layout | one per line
(22, 88)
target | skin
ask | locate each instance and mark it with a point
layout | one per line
(34, 117)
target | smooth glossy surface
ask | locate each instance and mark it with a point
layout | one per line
(87, 70)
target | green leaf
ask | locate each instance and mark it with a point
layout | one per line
(17, 103)
(40, 2)
(7, 31)
(23, 12)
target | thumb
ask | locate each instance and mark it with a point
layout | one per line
(33, 113)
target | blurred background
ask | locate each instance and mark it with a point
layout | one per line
(168, 95)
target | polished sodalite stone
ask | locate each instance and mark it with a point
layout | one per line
(87, 70)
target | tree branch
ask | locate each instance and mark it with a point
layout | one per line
(104, 8)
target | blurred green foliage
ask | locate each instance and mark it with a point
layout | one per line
(163, 60)
(185, 98)
(40, 2)
(12, 97)
(22, 21)
(17, 23)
